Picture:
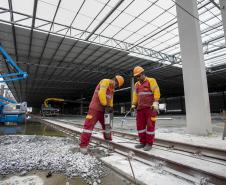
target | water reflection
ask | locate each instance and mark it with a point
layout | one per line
(29, 128)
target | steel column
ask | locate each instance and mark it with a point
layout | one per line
(195, 83)
(223, 14)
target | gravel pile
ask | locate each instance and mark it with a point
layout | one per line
(21, 154)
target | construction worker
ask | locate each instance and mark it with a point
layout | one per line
(102, 102)
(145, 100)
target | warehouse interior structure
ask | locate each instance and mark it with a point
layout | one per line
(67, 47)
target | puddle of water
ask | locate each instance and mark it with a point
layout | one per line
(39, 178)
(29, 128)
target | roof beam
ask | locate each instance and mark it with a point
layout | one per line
(62, 40)
(100, 40)
(47, 38)
(14, 42)
(215, 4)
(4, 11)
(41, 25)
(22, 19)
(104, 19)
(31, 38)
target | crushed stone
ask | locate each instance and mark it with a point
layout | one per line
(22, 154)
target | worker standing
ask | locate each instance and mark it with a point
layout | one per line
(102, 102)
(145, 100)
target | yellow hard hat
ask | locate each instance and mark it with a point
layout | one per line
(137, 70)
(120, 80)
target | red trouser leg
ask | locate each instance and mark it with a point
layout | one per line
(141, 125)
(150, 116)
(90, 121)
(101, 120)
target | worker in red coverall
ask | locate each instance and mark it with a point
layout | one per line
(102, 101)
(145, 100)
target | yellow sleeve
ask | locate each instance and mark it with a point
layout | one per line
(154, 88)
(104, 84)
(111, 102)
(135, 99)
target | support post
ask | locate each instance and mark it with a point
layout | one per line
(194, 75)
(223, 14)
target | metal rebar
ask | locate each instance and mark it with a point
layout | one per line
(132, 171)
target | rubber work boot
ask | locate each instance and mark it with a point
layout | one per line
(138, 146)
(84, 150)
(147, 147)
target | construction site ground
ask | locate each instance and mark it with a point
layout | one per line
(170, 127)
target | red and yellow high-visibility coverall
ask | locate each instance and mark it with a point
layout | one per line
(143, 97)
(102, 96)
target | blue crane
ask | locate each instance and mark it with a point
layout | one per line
(10, 110)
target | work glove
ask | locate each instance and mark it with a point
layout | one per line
(133, 107)
(108, 109)
(155, 105)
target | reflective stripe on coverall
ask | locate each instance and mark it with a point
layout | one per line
(103, 96)
(143, 97)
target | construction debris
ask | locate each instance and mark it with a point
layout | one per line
(22, 154)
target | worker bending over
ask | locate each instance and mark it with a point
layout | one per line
(102, 101)
(145, 100)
